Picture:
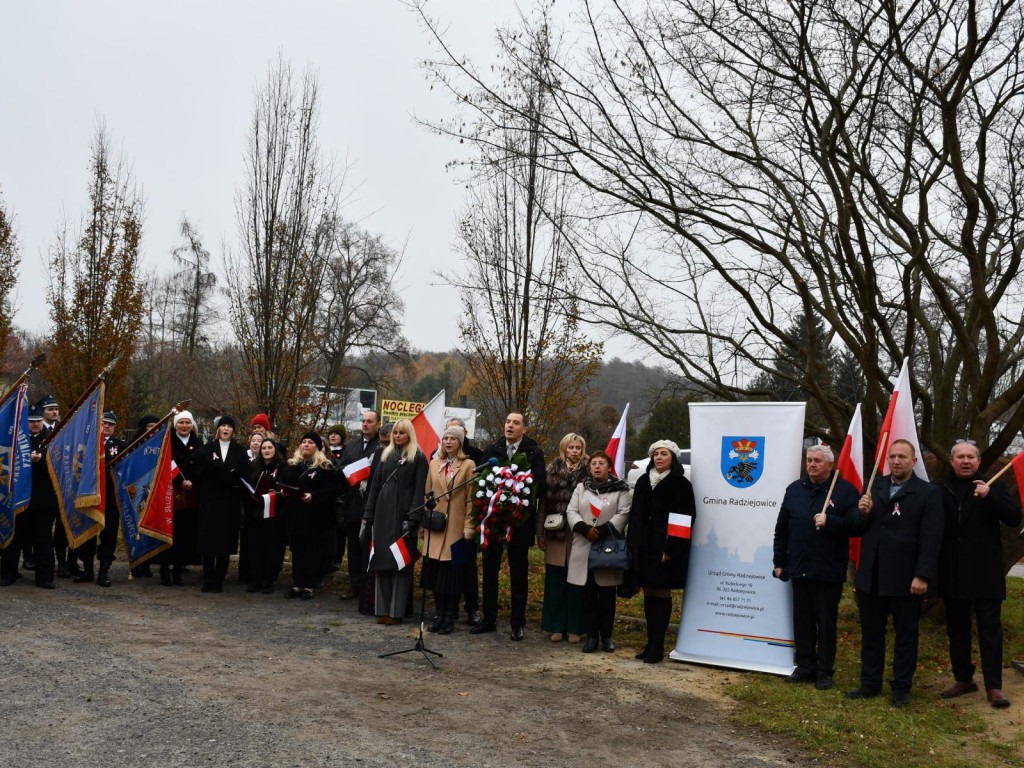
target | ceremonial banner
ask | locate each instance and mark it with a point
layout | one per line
(743, 455)
(15, 461)
(144, 490)
(76, 465)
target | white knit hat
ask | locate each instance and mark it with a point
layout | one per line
(663, 444)
(183, 415)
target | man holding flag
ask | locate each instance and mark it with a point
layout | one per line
(811, 547)
(355, 466)
(107, 537)
(972, 575)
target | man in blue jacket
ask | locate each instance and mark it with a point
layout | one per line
(811, 550)
(901, 528)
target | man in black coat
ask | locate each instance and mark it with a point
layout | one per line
(359, 447)
(515, 441)
(107, 537)
(34, 526)
(811, 550)
(971, 570)
(901, 529)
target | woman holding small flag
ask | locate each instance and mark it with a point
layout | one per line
(396, 489)
(659, 538)
(599, 508)
(450, 469)
(222, 464)
(264, 520)
(184, 551)
(309, 482)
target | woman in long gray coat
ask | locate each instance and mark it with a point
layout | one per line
(397, 489)
(599, 504)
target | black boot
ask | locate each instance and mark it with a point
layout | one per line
(62, 564)
(647, 615)
(73, 568)
(448, 622)
(176, 575)
(84, 576)
(661, 612)
(165, 576)
(103, 578)
(439, 613)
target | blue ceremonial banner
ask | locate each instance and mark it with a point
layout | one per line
(75, 461)
(15, 461)
(143, 491)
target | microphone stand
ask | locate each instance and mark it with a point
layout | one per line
(431, 504)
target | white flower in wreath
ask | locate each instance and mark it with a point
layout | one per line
(529, 479)
(526, 491)
(503, 498)
(489, 494)
(514, 467)
(479, 494)
(483, 483)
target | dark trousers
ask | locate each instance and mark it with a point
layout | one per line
(989, 615)
(519, 572)
(815, 614)
(267, 549)
(306, 554)
(874, 614)
(32, 528)
(598, 608)
(470, 581)
(59, 544)
(215, 569)
(103, 545)
(356, 556)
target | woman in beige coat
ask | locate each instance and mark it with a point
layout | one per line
(600, 503)
(448, 470)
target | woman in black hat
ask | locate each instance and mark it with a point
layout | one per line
(222, 463)
(309, 483)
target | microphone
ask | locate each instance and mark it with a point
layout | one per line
(491, 462)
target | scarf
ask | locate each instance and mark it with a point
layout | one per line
(611, 485)
(656, 477)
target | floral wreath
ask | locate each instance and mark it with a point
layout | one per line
(502, 501)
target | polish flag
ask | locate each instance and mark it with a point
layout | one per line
(369, 560)
(175, 471)
(596, 506)
(899, 423)
(357, 471)
(617, 446)
(269, 505)
(679, 525)
(1018, 473)
(850, 466)
(401, 553)
(429, 425)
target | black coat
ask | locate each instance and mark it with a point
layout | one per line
(901, 537)
(220, 497)
(527, 531)
(44, 496)
(971, 565)
(397, 488)
(354, 498)
(801, 549)
(648, 530)
(315, 517)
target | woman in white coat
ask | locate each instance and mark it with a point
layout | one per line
(600, 503)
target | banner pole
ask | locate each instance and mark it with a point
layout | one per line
(878, 462)
(182, 406)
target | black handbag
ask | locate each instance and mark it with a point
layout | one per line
(610, 553)
(434, 520)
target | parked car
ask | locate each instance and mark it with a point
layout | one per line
(638, 467)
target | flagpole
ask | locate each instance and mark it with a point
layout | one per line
(78, 404)
(36, 362)
(999, 474)
(878, 462)
(828, 497)
(178, 408)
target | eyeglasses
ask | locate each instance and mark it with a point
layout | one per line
(965, 440)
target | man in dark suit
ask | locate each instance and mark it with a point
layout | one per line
(515, 441)
(360, 447)
(901, 529)
(107, 538)
(972, 575)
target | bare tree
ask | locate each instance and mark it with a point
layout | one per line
(525, 349)
(94, 293)
(287, 209)
(193, 285)
(748, 163)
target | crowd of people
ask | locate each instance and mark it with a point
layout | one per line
(378, 499)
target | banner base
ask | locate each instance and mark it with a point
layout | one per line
(746, 666)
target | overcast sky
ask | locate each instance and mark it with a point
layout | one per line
(174, 83)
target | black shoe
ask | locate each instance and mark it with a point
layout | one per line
(306, 594)
(862, 693)
(591, 645)
(435, 623)
(900, 698)
(253, 587)
(6, 582)
(165, 576)
(63, 572)
(654, 655)
(267, 588)
(608, 644)
(84, 577)
(483, 626)
(45, 584)
(176, 573)
(517, 633)
(102, 578)
(206, 587)
(642, 656)
(824, 683)
(292, 593)
(799, 676)
(473, 618)
(447, 626)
